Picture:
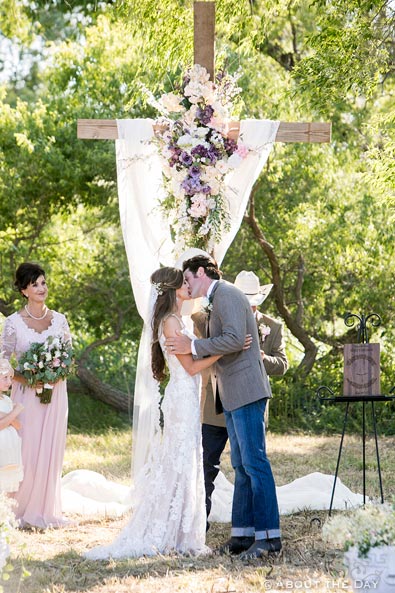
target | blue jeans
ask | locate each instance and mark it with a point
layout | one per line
(255, 508)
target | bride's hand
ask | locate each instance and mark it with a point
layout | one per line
(247, 342)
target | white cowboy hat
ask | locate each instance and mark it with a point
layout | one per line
(248, 282)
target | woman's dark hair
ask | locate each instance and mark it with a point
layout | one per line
(26, 274)
(201, 261)
(166, 281)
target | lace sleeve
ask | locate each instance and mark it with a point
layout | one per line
(8, 339)
(66, 330)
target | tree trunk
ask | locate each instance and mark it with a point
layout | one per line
(97, 389)
(294, 324)
(106, 393)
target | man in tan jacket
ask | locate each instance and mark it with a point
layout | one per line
(214, 432)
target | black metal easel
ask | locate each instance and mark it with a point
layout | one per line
(363, 338)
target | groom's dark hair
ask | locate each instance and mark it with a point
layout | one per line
(201, 261)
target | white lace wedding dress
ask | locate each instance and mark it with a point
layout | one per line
(168, 500)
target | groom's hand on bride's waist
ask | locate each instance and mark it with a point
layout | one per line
(178, 344)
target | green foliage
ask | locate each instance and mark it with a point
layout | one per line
(347, 53)
(90, 416)
(324, 207)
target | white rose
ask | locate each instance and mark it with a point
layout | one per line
(185, 140)
(234, 160)
(222, 167)
(209, 174)
(190, 115)
(220, 112)
(199, 73)
(171, 102)
(201, 131)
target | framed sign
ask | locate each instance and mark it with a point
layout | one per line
(361, 369)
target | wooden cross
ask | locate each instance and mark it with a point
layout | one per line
(204, 35)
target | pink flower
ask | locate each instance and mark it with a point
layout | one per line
(242, 150)
(56, 362)
(199, 206)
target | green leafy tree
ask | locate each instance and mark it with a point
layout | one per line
(317, 225)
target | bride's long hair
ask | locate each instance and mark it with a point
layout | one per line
(166, 281)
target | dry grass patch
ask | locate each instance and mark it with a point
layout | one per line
(56, 565)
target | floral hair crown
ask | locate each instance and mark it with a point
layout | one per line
(158, 287)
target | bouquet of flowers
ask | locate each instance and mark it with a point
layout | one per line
(47, 363)
(197, 155)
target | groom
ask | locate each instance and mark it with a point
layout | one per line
(243, 389)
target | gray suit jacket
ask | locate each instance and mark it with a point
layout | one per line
(241, 376)
(275, 361)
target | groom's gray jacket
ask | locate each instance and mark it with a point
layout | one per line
(241, 376)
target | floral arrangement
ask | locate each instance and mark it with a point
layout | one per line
(365, 528)
(7, 523)
(47, 363)
(197, 155)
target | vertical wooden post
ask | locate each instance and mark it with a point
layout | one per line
(204, 35)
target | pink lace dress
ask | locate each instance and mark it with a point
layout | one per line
(43, 430)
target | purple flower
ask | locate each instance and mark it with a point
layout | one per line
(205, 115)
(175, 149)
(213, 154)
(194, 171)
(186, 158)
(230, 146)
(191, 185)
(205, 189)
(173, 160)
(199, 150)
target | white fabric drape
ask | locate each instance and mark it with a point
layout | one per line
(88, 493)
(148, 242)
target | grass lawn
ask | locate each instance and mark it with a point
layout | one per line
(55, 565)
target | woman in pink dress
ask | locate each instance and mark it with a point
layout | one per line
(43, 425)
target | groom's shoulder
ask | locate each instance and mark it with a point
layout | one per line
(225, 286)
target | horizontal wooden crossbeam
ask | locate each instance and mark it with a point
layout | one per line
(106, 129)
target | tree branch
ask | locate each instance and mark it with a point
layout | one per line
(293, 324)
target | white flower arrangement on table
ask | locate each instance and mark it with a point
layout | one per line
(197, 155)
(365, 528)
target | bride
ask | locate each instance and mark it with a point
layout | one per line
(169, 499)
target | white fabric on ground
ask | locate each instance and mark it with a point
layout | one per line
(88, 493)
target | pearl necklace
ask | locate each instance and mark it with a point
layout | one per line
(36, 318)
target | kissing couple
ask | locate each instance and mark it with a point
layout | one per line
(169, 513)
